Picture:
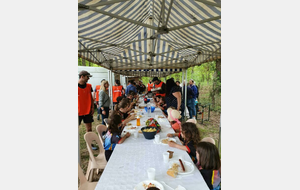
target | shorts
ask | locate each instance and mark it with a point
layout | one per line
(85, 118)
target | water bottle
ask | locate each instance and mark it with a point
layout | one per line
(149, 110)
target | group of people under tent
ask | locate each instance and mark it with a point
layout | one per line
(169, 98)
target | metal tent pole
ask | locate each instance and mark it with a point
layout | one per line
(185, 92)
(219, 144)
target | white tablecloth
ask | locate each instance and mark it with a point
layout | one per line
(129, 162)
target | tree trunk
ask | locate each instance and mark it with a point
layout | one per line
(83, 62)
(218, 68)
(216, 83)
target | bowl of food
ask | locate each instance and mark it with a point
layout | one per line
(149, 132)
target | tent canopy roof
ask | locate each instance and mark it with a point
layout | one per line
(149, 37)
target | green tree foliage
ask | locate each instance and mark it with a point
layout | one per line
(87, 63)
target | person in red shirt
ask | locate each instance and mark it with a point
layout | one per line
(150, 85)
(117, 91)
(161, 86)
(85, 100)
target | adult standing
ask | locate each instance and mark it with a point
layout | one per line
(173, 95)
(104, 101)
(149, 87)
(130, 87)
(160, 86)
(85, 100)
(116, 91)
(96, 98)
(191, 101)
(141, 87)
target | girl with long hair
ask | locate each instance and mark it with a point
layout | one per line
(209, 164)
(190, 137)
(113, 135)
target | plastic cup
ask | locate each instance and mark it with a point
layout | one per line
(166, 157)
(135, 134)
(152, 109)
(157, 138)
(151, 173)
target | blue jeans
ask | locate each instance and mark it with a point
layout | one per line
(106, 109)
(191, 107)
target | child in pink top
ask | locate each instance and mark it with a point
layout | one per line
(173, 117)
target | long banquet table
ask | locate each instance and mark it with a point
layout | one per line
(130, 160)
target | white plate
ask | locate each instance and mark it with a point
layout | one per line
(141, 187)
(128, 128)
(170, 139)
(189, 167)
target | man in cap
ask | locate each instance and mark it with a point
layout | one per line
(85, 100)
(159, 87)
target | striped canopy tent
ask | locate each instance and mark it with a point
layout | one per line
(149, 37)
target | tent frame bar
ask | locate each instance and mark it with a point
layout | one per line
(194, 23)
(210, 3)
(82, 6)
(107, 3)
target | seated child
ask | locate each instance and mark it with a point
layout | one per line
(113, 135)
(190, 137)
(209, 164)
(173, 117)
(118, 101)
(122, 109)
(162, 105)
(157, 99)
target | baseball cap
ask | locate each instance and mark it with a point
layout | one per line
(154, 79)
(85, 73)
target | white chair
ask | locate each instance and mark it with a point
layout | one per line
(83, 183)
(98, 162)
(100, 128)
(209, 139)
(106, 120)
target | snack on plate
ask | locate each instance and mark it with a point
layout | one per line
(128, 124)
(132, 128)
(140, 131)
(182, 166)
(150, 185)
(165, 141)
(173, 171)
(161, 116)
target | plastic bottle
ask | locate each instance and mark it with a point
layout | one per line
(149, 110)
(138, 121)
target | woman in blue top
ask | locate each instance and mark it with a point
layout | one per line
(113, 135)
